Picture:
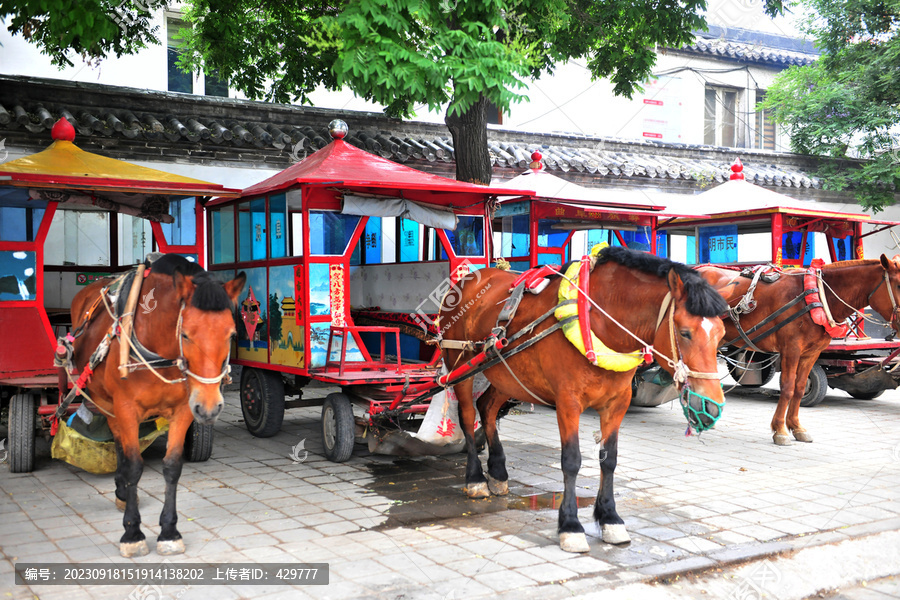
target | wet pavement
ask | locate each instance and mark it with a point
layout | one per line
(402, 527)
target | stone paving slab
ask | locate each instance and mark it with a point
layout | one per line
(401, 527)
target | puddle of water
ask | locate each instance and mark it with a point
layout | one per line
(545, 501)
(430, 489)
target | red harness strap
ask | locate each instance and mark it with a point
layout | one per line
(818, 313)
(584, 307)
(532, 277)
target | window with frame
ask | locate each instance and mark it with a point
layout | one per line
(765, 126)
(720, 117)
(188, 83)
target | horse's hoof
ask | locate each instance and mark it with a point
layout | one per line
(570, 541)
(478, 490)
(167, 547)
(129, 550)
(497, 487)
(781, 439)
(802, 436)
(615, 534)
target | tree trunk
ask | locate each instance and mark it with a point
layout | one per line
(470, 144)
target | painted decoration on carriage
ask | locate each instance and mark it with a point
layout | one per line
(253, 338)
(286, 344)
(326, 297)
(17, 275)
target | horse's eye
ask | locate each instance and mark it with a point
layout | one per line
(685, 334)
(185, 336)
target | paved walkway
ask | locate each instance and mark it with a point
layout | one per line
(402, 528)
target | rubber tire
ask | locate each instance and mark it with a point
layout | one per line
(768, 373)
(198, 442)
(866, 395)
(262, 401)
(816, 387)
(22, 433)
(338, 428)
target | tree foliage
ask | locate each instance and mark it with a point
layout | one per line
(91, 29)
(846, 104)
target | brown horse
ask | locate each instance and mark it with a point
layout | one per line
(849, 286)
(189, 329)
(661, 302)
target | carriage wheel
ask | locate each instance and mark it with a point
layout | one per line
(198, 442)
(338, 427)
(262, 401)
(816, 387)
(767, 373)
(22, 433)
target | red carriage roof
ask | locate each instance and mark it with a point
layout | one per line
(345, 165)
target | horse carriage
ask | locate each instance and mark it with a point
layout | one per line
(348, 257)
(765, 228)
(68, 218)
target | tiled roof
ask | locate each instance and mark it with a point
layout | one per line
(745, 52)
(277, 135)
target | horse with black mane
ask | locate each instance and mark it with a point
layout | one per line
(637, 300)
(177, 358)
(779, 318)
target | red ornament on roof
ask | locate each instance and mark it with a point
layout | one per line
(63, 130)
(536, 164)
(737, 170)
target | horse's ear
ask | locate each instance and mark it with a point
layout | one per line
(885, 262)
(676, 286)
(184, 285)
(234, 287)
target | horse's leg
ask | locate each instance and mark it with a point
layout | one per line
(128, 473)
(793, 413)
(571, 532)
(169, 540)
(476, 484)
(789, 364)
(611, 524)
(489, 405)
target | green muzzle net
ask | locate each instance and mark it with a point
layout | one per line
(701, 411)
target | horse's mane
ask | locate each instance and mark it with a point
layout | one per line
(208, 295)
(852, 263)
(702, 299)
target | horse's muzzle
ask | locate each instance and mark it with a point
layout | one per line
(204, 414)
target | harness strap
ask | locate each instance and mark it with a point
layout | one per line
(775, 315)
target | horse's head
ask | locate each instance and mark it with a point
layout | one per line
(206, 328)
(887, 302)
(688, 334)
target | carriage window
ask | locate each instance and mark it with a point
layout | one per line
(792, 246)
(20, 224)
(468, 239)
(135, 239)
(683, 248)
(78, 238)
(550, 234)
(408, 236)
(370, 244)
(514, 237)
(222, 235)
(843, 248)
(754, 247)
(17, 275)
(183, 231)
(278, 232)
(252, 229)
(718, 244)
(330, 232)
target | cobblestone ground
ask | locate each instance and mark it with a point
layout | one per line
(402, 528)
